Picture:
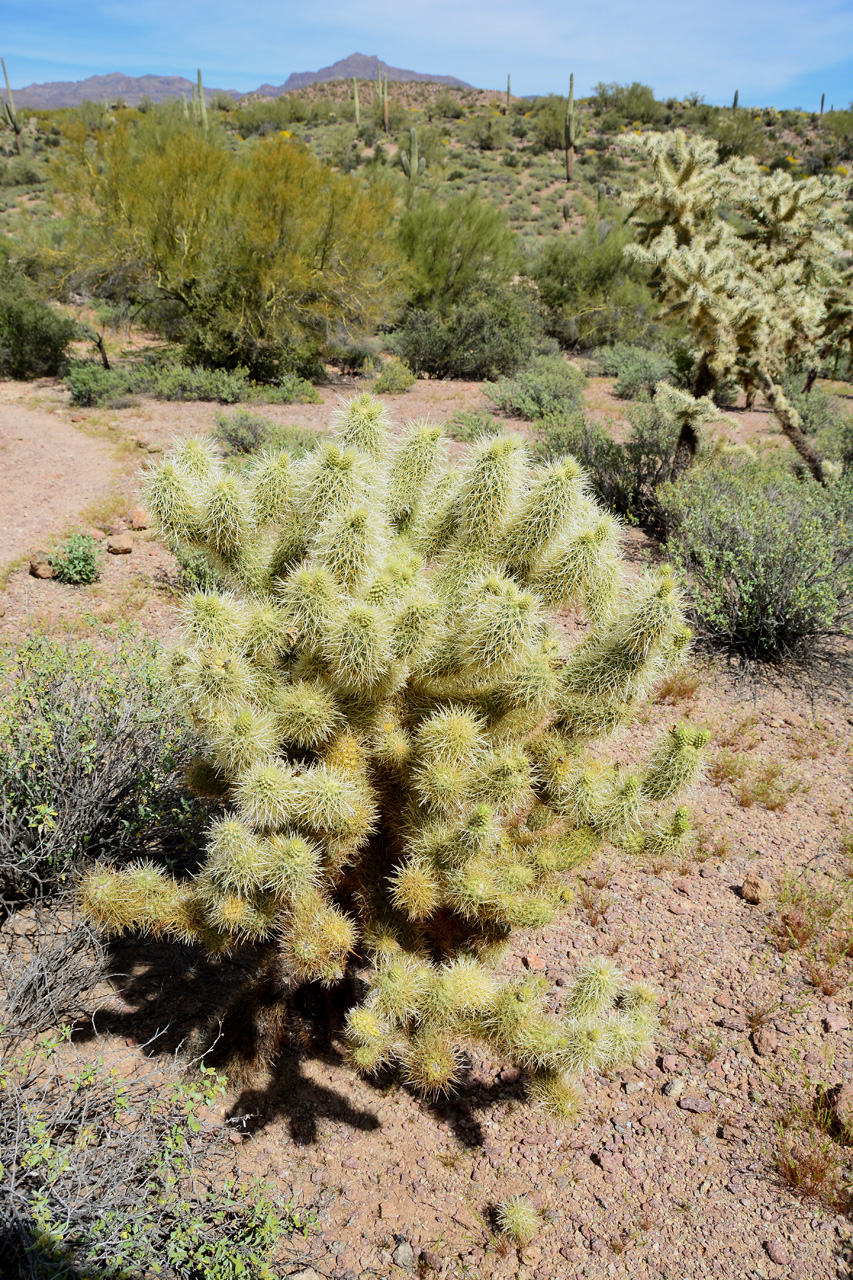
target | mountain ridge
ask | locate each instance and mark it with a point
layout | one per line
(132, 89)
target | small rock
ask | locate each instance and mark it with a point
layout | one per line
(724, 1000)
(40, 566)
(531, 961)
(754, 889)
(634, 1086)
(304, 1273)
(696, 1105)
(777, 1253)
(97, 534)
(669, 1062)
(765, 1040)
(139, 518)
(609, 1161)
(119, 526)
(429, 1260)
(120, 544)
(837, 1022)
(678, 908)
(509, 1075)
(236, 1138)
(674, 1088)
(403, 1255)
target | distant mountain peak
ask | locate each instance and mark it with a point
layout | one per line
(132, 89)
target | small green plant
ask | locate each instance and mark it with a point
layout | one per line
(244, 432)
(196, 571)
(78, 561)
(467, 425)
(518, 1219)
(394, 378)
(404, 746)
(548, 390)
(636, 369)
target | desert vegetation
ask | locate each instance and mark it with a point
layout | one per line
(474, 750)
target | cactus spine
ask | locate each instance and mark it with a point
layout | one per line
(571, 130)
(355, 101)
(404, 750)
(412, 164)
(9, 113)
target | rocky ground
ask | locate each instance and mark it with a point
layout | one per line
(676, 1169)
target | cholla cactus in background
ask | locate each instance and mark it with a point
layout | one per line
(405, 746)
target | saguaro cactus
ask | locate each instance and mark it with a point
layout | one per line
(413, 163)
(10, 115)
(201, 105)
(571, 130)
(404, 746)
(507, 93)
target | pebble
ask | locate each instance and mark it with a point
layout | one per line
(777, 1253)
(404, 1255)
(765, 1040)
(754, 889)
(697, 1105)
(120, 544)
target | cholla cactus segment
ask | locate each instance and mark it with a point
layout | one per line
(518, 1219)
(398, 738)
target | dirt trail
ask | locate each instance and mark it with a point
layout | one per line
(50, 471)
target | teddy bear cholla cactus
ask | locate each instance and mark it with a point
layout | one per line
(401, 741)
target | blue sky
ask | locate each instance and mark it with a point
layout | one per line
(784, 52)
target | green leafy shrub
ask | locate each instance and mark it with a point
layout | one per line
(590, 292)
(394, 378)
(625, 476)
(769, 556)
(482, 337)
(89, 744)
(455, 248)
(823, 418)
(636, 369)
(549, 389)
(404, 745)
(196, 571)
(245, 432)
(34, 338)
(92, 385)
(151, 1207)
(78, 561)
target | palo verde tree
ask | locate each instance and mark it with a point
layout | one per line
(747, 258)
(403, 745)
(256, 256)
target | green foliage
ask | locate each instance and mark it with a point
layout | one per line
(549, 389)
(467, 425)
(91, 385)
(454, 248)
(629, 102)
(196, 571)
(487, 131)
(636, 369)
(549, 121)
(259, 252)
(78, 561)
(152, 1207)
(483, 336)
(590, 292)
(34, 337)
(394, 378)
(769, 556)
(738, 133)
(89, 742)
(406, 748)
(245, 432)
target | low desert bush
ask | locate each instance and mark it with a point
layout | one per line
(34, 337)
(483, 336)
(394, 378)
(548, 390)
(625, 476)
(466, 425)
(244, 432)
(637, 370)
(89, 744)
(78, 561)
(112, 1178)
(769, 556)
(92, 385)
